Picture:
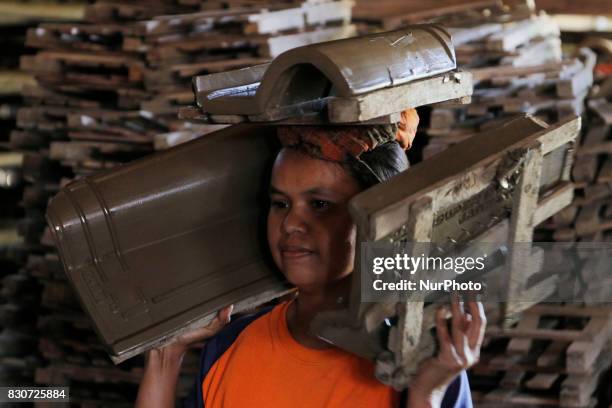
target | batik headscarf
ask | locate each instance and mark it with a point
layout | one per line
(344, 144)
(340, 143)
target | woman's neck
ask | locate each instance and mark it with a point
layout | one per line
(308, 304)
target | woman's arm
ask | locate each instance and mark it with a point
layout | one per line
(163, 365)
(158, 385)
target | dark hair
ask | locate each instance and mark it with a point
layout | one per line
(379, 164)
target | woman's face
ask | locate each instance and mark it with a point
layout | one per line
(310, 232)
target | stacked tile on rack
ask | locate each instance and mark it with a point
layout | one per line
(549, 91)
(393, 14)
(514, 54)
(544, 371)
(145, 67)
(518, 68)
(19, 292)
(589, 218)
(557, 356)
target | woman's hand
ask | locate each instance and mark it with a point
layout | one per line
(163, 364)
(179, 346)
(458, 351)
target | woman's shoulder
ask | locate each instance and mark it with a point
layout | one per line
(216, 346)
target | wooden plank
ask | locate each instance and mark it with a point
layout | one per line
(569, 311)
(12, 12)
(521, 33)
(578, 389)
(298, 18)
(419, 230)
(582, 80)
(493, 72)
(589, 220)
(521, 347)
(410, 313)
(554, 202)
(279, 44)
(605, 174)
(593, 193)
(585, 169)
(538, 52)
(565, 217)
(537, 334)
(470, 34)
(524, 207)
(519, 400)
(427, 13)
(12, 82)
(512, 379)
(603, 109)
(553, 355)
(561, 135)
(542, 381)
(595, 7)
(398, 98)
(581, 355)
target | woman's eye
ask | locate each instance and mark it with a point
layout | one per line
(319, 204)
(278, 204)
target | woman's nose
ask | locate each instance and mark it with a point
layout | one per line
(294, 221)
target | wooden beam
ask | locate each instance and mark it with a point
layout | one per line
(595, 7)
(395, 99)
(16, 11)
(554, 202)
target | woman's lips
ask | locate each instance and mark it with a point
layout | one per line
(295, 252)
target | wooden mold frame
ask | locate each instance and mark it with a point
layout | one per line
(511, 178)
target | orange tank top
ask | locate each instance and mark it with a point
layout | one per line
(267, 367)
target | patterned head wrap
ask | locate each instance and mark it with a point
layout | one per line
(344, 144)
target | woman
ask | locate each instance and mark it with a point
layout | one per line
(270, 359)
